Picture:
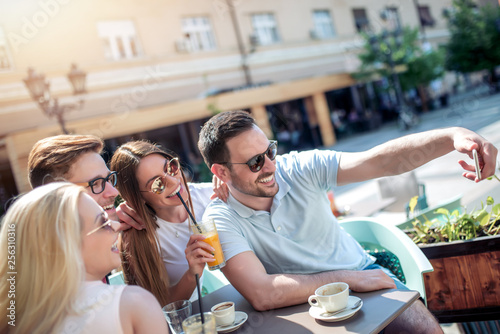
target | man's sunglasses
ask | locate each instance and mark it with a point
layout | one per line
(98, 185)
(159, 184)
(257, 162)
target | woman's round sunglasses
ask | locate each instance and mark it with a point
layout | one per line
(159, 184)
(257, 162)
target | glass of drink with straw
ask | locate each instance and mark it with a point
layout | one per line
(208, 229)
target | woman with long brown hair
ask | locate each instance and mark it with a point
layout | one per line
(164, 256)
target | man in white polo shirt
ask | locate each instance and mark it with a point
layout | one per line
(279, 236)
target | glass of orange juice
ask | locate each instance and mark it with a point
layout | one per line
(208, 229)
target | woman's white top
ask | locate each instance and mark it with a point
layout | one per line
(173, 237)
(98, 307)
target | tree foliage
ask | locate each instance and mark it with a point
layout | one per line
(423, 69)
(379, 50)
(382, 48)
(474, 44)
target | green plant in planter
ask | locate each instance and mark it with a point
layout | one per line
(452, 226)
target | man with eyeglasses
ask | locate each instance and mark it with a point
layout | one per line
(279, 236)
(77, 159)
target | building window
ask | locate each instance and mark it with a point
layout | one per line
(5, 60)
(391, 16)
(360, 19)
(323, 25)
(119, 39)
(198, 33)
(426, 19)
(265, 29)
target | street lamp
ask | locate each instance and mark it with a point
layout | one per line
(422, 25)
(241, 46)
(39, 90)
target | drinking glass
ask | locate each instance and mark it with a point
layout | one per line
(193, 324)
(208, 229)
(175, 313)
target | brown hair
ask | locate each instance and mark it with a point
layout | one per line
(51, 158)
(218, 130)
(141, 259)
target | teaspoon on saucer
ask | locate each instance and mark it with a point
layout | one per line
(329, 314)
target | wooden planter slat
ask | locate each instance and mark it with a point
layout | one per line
(466, 284)
(437, 287)
(472, 287)
(485, 263)
(458, 278)
(463, 282)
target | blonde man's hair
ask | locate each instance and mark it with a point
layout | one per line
(51, 158)
(45, 232)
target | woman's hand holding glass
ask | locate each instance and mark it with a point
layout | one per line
(198, 253)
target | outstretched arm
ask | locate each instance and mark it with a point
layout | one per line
(247, 274)
(407, 153)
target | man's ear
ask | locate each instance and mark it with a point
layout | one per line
(221, 172)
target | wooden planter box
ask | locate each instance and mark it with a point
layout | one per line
(465, 283)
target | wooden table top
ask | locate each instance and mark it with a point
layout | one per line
(379, 309)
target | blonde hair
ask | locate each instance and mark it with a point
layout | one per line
(41, 238)
(141, 259)
(51, 158)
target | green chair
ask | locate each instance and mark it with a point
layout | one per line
(378, 237)
(116, 278)
(212, 280)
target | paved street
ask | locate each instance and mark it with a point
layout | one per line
(442, 177)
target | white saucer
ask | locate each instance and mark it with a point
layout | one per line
(316, 311)
(239, 319)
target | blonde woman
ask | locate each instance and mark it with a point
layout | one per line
(59, 244)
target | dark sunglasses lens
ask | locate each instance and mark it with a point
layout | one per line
(158, 186)
(271, 152)
(256, 163)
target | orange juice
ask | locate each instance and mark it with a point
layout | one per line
(208, 229)
(213, 240)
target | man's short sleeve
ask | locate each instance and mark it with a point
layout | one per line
(316, 168)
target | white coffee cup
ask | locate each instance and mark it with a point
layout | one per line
(331, 297)
(224, 313)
